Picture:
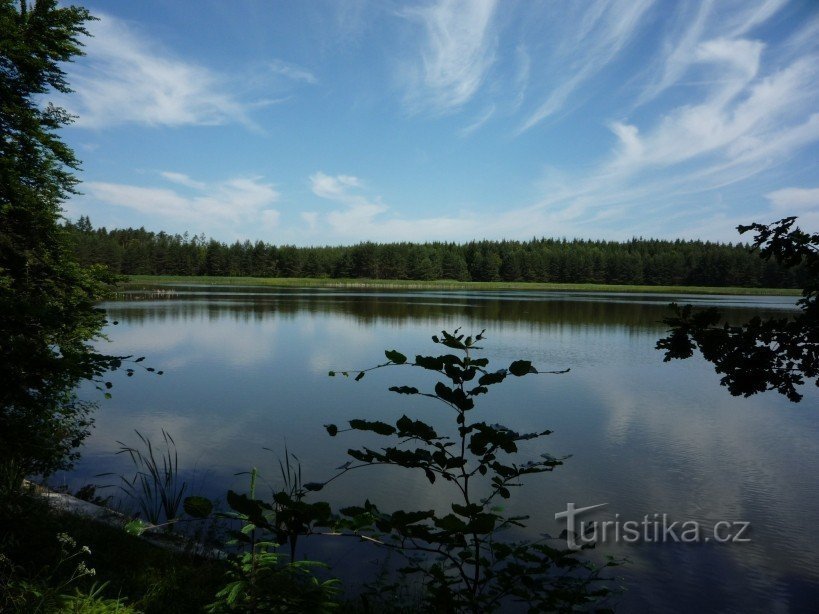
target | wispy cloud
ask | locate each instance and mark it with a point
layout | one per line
(228, 204)
(291, 71)
(701, 22)
(599, 35)
(748, 116)
(127, 77)
(523, 63)
(366, 217)
(458, 49)
(794, 200)
(479, 121)
(677, 49)
(360, 210)
(802, 202)
(184, 180)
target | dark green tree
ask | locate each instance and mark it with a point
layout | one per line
(762, 354)
(47, 314)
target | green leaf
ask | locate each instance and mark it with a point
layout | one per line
(415, 428)
(451, 523)
(487, 379)
(135, 527)
(467, 511)
(396, 357)
(239, 536)
(402, 519)
(404, 389)
(313, 486)
(332, 429)
(521, 367)
(197, 507)
(359, 376)
(380, 428)
(432, 363)
(252, 508)
(482, 523)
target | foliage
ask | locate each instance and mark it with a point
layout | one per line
(777, 353)
(47, 314)
(260, 578)
(93, 602)
(136, 251)
(294, 516)
(156, 486)
(465, 564)
(151, 579)
(46, 591)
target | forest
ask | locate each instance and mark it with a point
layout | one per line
(136, 251)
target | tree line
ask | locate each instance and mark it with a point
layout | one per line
(136, 251)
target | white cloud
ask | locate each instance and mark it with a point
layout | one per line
(723, 118)
(360, 210)
(334, 188)
(753, 110)
(794, 200)
(184, 180)
(310, 218)
(367, 218)
(601, 33)
(479, 121)
(225, 204)
(291, 71)
(458, 50)
(127, 78)
(680, 49)
(523, 70)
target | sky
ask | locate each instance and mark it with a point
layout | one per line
(323, 123)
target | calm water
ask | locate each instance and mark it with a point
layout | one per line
(246, 369)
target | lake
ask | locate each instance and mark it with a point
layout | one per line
(246, 373)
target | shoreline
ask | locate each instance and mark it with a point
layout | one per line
(406, 284)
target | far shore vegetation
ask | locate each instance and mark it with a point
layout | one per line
(636, 265)
(442, 284)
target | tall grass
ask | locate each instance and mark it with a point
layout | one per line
(156, 486)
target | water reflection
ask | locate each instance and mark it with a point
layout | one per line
(246, 369)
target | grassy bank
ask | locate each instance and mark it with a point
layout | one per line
(399, 284)
(145, 577)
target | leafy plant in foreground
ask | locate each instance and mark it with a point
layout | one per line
(292, 514)
(465, 565)
(261, 579)
(45, 592)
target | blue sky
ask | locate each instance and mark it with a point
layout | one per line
(336, 122)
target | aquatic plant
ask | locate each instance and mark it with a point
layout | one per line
(156, 486)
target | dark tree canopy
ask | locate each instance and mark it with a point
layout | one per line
(136, 251)
(762, 354)
(47, 314)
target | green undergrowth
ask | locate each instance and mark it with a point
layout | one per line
(129, 574)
